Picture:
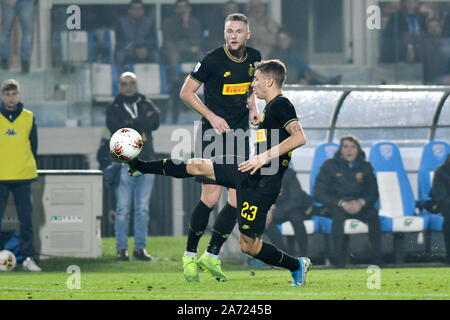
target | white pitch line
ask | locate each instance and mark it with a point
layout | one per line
(220, 293)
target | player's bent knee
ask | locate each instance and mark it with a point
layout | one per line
(211, 195)
(249, 246)
(196, 167)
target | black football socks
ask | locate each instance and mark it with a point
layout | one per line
(165, 167)
(199, 222)
(275, 257)
(223, 226)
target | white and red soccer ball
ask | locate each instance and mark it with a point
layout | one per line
(7, 260)
(125, 144)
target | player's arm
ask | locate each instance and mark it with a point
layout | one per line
(251, 103)
(296, 139)
(189, 96)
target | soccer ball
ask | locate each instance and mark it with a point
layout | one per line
(7, 260)
(125, 144)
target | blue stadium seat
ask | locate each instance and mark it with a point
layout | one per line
(152, 79)
(396, 203)
(104, 81)
(77, 46)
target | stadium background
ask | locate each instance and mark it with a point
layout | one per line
(68, 89)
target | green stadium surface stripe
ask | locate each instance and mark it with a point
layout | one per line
(218, 293)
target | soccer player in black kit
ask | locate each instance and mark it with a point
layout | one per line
(258, 180)
(226, 73)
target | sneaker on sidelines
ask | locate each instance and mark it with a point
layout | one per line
(299, 276)
(190, 269)
(30, 265)
(212, 265)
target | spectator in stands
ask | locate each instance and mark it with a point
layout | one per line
(141, 53)
(346, 185)
(294, 205)
(436, 62)
(215, 30)
(264, 29)
(131, 109)
(18, 141)
(299, 71)
(440, 193)
(402, 38)
(135, 27)
(10, 10)
(182, 42)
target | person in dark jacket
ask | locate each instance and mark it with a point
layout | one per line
(131, 109)
(402, 38)
(294, 205)
(135, 27)
(346, 185)
(440, 193)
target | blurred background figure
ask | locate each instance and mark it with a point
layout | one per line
(132, 28)
(24, 9)
(440, 193)
(142, 53)
(181, 43)
(131, 109)
(299, 72)
(215, 36)
(402, 38)
(263, 28)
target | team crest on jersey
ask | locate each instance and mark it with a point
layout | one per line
(359, 177)
(251, 70)
(11, 132)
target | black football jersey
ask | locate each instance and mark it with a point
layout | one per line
(271, 131)
(227, 83)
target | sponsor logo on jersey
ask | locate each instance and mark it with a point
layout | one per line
(261, 135)
(235, 89)
(227, 74)
(11, 132)
(245, 227)
(359, 177)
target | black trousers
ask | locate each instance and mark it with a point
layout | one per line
(301, 238)
(366, 215)
(23, 202)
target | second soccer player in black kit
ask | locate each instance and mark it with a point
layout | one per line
(258, 180)
(226, 73)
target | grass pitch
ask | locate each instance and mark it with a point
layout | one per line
(162, 278)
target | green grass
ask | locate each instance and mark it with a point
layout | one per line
(106, 278)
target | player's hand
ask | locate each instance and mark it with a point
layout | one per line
(254, 163)
(219, 124)
(255, 118)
